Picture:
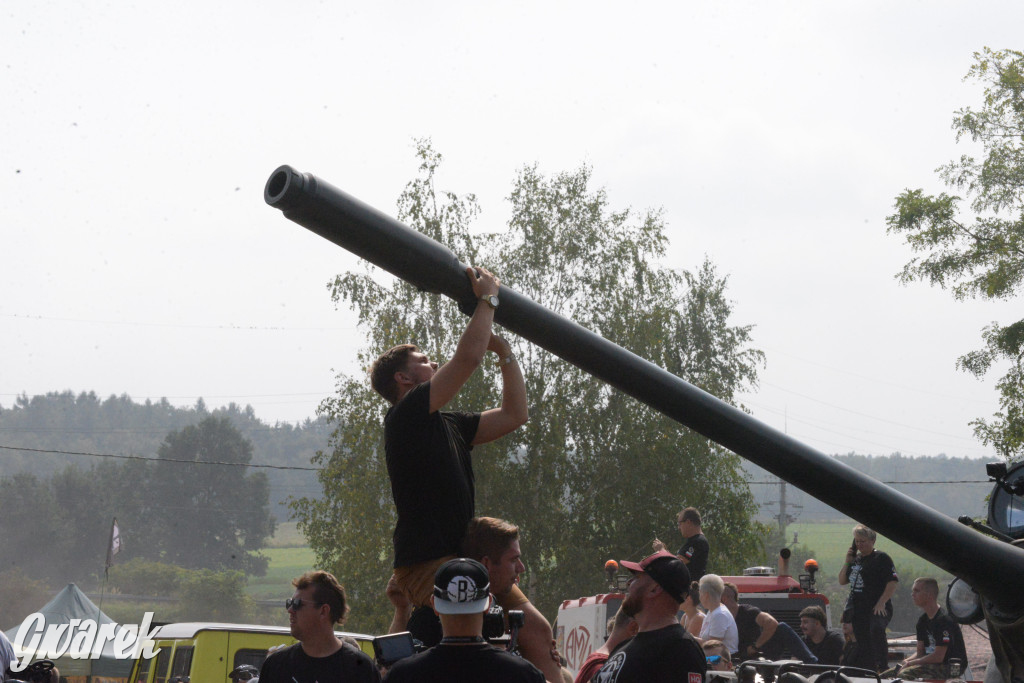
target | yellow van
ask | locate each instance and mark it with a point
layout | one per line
(204, 652)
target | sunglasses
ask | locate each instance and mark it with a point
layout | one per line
(714, 659)
(298, 603)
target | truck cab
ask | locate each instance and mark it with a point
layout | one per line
(206, 652)
(581, 626)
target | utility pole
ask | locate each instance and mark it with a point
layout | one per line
(783, 518)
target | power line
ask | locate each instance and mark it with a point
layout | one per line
(133, 323)
(317, 469)
(140, 457)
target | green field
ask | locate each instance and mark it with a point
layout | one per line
(287, 535)
(289, 556)
(831, 540)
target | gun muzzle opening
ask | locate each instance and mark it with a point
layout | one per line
(283, 188)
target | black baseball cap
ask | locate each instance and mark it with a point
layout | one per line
(667, 570)
(461, 586)
(244, 672)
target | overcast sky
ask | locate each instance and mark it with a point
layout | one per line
(138, 255)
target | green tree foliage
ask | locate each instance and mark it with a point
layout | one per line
(220, 517)
(199, 594)
(146, 577)
(206, 595)
(190, 514)
(594, 474)
(21, 594)
(977, 250)
(65, 422)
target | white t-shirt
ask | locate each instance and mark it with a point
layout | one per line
(720, 625)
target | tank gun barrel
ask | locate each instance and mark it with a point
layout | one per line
(987, 564)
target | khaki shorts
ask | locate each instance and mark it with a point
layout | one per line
(417, 582)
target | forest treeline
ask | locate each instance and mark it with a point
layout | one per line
(117, 425)
(65, 421)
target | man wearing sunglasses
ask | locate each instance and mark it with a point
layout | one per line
(317, 605)
(717, 655)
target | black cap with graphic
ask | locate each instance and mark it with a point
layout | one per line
(461, 586)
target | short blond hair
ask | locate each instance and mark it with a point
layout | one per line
(716, 647)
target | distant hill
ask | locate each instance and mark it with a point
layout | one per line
(85, 423)
(952, 496)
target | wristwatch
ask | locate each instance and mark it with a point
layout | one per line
(491, 300)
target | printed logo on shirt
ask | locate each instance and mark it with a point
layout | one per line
(610, 671)
(946, 637)
(856, 580)
(696, 678)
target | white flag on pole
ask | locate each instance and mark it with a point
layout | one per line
(115, 543)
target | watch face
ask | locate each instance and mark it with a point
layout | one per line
(493, 300)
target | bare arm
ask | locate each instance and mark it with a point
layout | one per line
(449, 378)
(890, 590)
(535, 643)
(403, 607)
(768, 624)
(659, 545)
(693, 626)
(909, 661)
(513, 412)
(844, 571)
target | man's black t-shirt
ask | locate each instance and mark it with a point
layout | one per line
(942, 631)
(431, 472)
(746, 626)
(464, 664)
(668, 655)
(829, 650)
(696, 550)
(876, 570)
(293, 665)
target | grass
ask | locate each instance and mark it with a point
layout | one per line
(289, 556)
(831, 540)
(287, 535)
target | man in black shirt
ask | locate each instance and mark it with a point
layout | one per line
(939, 638)
(662, 651)
(824, 644)
(461, 596)
(428, 451)
(871, 575)
(695, 549)
(762, 634)
(319, 657)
